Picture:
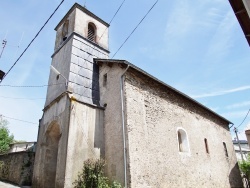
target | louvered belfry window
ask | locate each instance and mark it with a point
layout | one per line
(91, 32)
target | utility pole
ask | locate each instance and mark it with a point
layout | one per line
(236, 132)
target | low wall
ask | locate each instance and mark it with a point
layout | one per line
(17, 167)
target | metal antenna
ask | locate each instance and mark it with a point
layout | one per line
(4, 43)
(85, 3)
(19, 45)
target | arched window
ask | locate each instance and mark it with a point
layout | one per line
(182, 141)
(65, 30)
(92, 32)
(225, 149)
(206, 146)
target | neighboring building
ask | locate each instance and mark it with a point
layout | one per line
(150, 134)
(241, 9)
(22, 146)
(244, 149)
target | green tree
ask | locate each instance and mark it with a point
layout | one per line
(245, 167)
(5, 138)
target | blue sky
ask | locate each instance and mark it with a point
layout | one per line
(195, 46)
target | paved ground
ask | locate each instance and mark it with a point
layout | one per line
(7, 185)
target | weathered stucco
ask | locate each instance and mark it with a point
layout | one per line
(50, 160)
(85, 138)
(71, 129)
(85, 120)
(154, 114)
(110, 97)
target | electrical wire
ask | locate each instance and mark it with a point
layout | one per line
(100, 38)
(244, 119)
(117, 12)
(32, 40)
(18, 120)
(135, 28)
(128, 36)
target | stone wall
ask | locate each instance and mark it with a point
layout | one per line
(155, 114)
(17, 168)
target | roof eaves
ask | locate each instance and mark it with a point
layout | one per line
(161, 82)
(242, 16)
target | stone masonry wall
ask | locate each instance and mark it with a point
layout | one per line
(17, 167)
(154, 115)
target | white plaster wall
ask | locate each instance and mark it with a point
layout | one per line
(111, 96)
(61, 61)
(81, 27)
(57, 113)
(85, 139)
(153, 115)
(59, 39)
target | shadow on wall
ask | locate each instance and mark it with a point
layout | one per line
(99, 133)
(50, 164)
(235, 179)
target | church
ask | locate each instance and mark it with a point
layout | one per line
(150, 134)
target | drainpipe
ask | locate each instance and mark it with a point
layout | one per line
(123, 127)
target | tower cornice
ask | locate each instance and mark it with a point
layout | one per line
(76, 5)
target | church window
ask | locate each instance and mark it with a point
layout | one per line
(206, 146)
(65, 30)
(105, 79)
(92, 32)
(225, 149)
(182, 141)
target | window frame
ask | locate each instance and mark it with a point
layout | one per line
(92, 26)
(182, 137)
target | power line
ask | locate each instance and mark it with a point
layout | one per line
(129, 34)
(135, 28)
(244, 118)
(31, 85)
(32, 40)
(19, 120)
(102, 35)
(117, 12)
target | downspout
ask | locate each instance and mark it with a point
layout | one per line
(123, 127)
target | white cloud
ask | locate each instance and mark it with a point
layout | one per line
(222, 40)
(223, 92)
(238, 105)
(234, 114)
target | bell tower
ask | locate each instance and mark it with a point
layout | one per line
(80, 37)
(71, 128)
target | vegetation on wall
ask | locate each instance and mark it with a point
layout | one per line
(92, 176)
(5, 138)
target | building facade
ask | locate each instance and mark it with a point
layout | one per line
(149, 134)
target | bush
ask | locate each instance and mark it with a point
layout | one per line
(245, 167)
(92, 176)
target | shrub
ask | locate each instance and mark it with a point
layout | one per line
(92, 176)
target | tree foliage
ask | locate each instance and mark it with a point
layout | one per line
(245, 167)
(5, 138)
(92, 176)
